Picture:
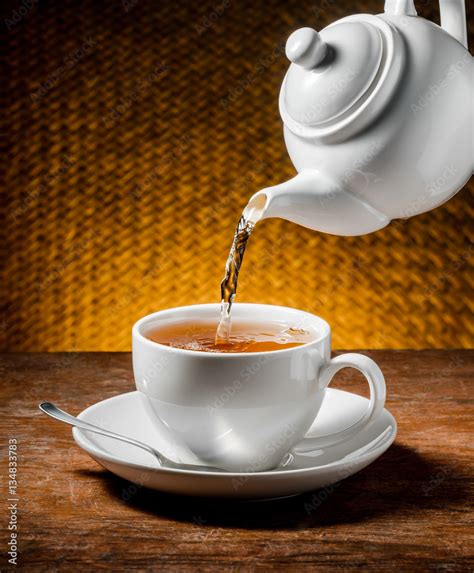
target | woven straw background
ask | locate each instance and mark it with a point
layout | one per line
(138, 130)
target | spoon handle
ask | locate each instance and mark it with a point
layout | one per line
(62, 416)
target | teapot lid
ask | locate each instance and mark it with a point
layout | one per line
(340, 78)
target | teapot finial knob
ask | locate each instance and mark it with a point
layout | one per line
(305, 48)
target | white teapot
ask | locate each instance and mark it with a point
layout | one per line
(378, 117)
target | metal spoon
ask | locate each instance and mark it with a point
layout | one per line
(62, 416)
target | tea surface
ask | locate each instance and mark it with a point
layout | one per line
(243, 337)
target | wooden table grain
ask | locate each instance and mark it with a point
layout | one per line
(409, 511)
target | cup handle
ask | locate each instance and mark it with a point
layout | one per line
(376, 382)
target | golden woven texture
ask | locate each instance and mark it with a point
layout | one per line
(138, 131)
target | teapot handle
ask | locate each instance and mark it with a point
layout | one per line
(452, 12)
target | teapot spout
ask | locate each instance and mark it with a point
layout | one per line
(313, 200)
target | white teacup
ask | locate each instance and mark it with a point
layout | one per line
(245, 411)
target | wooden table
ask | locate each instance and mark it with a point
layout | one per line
(409, 511)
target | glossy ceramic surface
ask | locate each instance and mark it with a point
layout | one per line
(244, 411)
(378, 120)
(126, 414)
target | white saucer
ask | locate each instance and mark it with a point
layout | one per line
(125, 414)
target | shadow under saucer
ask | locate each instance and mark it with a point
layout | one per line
(402, 479)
